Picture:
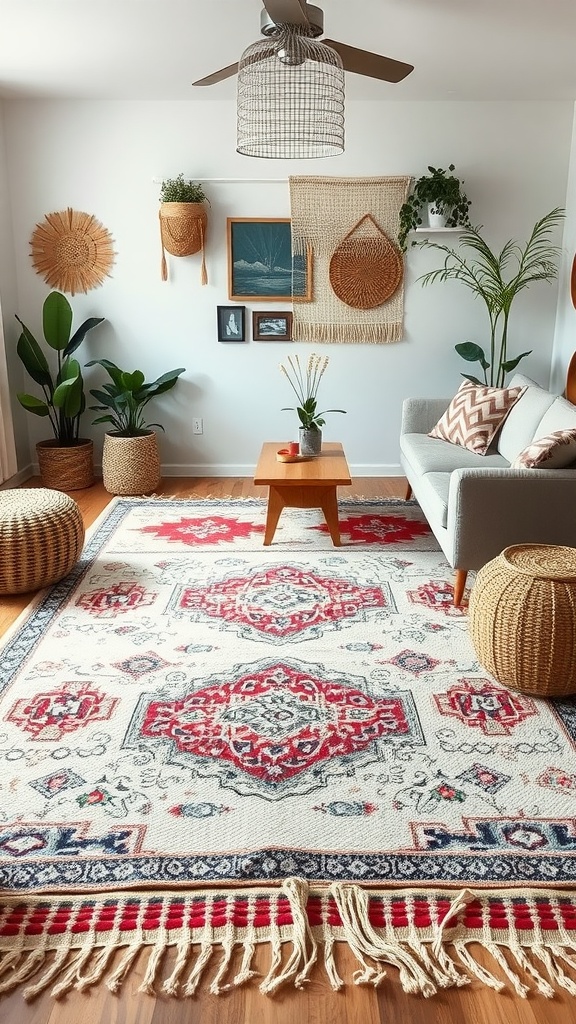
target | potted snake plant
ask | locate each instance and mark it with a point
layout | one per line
(130, 458)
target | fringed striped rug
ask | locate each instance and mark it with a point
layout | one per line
(208, 745)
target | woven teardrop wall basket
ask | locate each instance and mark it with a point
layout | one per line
(183, 232)
(366, 270)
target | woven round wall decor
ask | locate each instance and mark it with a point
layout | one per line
(365, 271)
(72, 251)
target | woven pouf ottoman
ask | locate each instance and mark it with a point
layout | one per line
(522, 618)
(41, 537)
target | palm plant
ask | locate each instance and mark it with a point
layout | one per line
(497, 279)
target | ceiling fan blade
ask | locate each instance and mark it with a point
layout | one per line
(362, 62)
(218, 76)
(287, 12)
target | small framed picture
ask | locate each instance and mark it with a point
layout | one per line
(272, 326)
(231, 323)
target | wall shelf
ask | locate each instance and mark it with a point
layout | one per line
(443, 231)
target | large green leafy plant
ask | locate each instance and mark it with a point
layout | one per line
(497, 278)
(124, 399)
(63, 387)
(305, 387)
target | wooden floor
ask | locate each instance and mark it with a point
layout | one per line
(317, 1003)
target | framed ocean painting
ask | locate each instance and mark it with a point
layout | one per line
(261, 267)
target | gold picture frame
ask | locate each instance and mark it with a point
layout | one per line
(261, 267)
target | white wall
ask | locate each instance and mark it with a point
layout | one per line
(102, 157)
(565, 334)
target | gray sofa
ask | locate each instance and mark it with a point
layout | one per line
(477, 505)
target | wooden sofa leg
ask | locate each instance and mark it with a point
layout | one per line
(459, 585)
(408, 494)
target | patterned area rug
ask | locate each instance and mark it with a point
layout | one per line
(206, 742)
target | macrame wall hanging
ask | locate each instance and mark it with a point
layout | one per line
(72, 251)
(183, 233)
(351, 224)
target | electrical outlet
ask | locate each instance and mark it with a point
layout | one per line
(197, 425)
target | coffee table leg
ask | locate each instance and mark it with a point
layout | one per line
(275, 506)
(329, 506)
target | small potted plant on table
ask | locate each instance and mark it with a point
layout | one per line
(130, 458)
(305, 387)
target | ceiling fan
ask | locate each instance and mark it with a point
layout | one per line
(308, 21)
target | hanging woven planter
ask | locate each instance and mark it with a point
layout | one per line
(183, 232)
(366, 270)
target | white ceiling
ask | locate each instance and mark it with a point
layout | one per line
(154, 49)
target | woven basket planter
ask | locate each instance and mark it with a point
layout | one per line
(66, 468)
(522, 618)
(41, 537)
(183, 232)
(131, 465)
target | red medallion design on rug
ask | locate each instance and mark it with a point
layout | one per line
(486, 706)
(276, 721)
(49, 716)
(282, 602)
(204, 530)
(114, 600)
(379, 529)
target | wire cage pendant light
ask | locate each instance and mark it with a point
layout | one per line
(290, 98)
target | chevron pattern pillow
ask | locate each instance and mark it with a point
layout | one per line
(474, 416)
(554, 451)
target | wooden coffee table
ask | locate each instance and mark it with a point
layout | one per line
(309, 483)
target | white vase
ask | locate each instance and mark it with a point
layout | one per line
(310, 441)
(436, 217)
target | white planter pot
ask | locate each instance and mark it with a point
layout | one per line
(435, 219)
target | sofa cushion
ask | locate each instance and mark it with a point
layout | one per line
(554, 451)
(474, 415)
(520, 425)
(560, 416)
(433, 491)
(427, 454)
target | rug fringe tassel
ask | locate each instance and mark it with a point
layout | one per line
(154, 960)
(24, 970)
(114, 980)
(301, 959)
(353, 906)
(53, 971)
(301, 923)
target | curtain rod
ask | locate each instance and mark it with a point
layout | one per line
(234, 181)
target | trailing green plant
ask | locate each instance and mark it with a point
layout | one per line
(64, 399)
(305, 387)
(445, 192)
(125, 398)
(180, 190)
(497, 278)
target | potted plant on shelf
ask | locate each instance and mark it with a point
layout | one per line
(447, 203)
(66, 460)
(130, 459)
(183, 220)
(497, 278)
(305, 387)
